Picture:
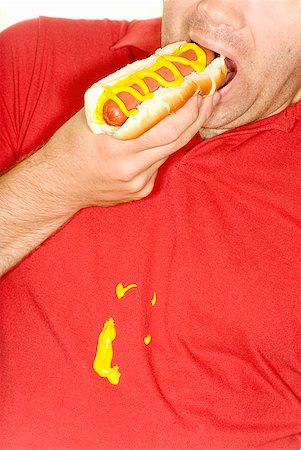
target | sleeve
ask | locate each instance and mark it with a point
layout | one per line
(46, 65)
(17, 59)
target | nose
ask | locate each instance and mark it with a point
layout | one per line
(229, 13)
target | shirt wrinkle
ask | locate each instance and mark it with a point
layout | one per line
(145, 35)
(203, 158)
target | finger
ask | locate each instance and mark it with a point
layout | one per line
(148, 157)
(172, 126)
(205, 112)
(166, 131)
(162, 140)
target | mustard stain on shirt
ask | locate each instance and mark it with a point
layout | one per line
(104, 353)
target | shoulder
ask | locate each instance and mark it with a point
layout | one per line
(61, 36)
(72, 35)
(75, 48)
(46, 64)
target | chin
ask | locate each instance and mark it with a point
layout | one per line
(224, 119)
(235, 108)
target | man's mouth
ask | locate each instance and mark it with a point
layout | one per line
(231, 67)
(232, 71)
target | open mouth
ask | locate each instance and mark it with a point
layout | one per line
(232, 71)
(231, 66)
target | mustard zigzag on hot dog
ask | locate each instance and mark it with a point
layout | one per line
(155, 86)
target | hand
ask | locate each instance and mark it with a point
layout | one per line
(99, 170)
(76, 169)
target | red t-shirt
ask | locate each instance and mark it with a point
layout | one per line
(217, 243)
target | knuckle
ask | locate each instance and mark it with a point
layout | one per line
(126, 173)
(136, 185)
(147, 189)
(144, 192)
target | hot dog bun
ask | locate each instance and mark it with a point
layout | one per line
(166, 100)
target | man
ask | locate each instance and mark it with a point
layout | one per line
(199, 279)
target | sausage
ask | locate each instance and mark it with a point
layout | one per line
(113, 115)
(155, 106)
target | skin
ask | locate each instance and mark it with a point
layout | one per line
(77, 169)
(263, 37)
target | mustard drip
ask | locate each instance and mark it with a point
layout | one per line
(104, 353)
(124, 85)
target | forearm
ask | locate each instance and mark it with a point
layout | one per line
(77, 169)
(33, 206)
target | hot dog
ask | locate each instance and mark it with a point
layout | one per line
(132, 100)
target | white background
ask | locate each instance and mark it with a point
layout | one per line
(12, 11)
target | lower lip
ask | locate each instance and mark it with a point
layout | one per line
(224, 91)
(231, 76)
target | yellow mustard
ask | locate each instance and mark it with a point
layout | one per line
(147, 339)
(121, 290)
(104, 353)
(124, 85)
(154, 299)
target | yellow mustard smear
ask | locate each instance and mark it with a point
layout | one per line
(121, 290)
(154, 299)
(147, 339)
(104, 353)
(124, 85)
